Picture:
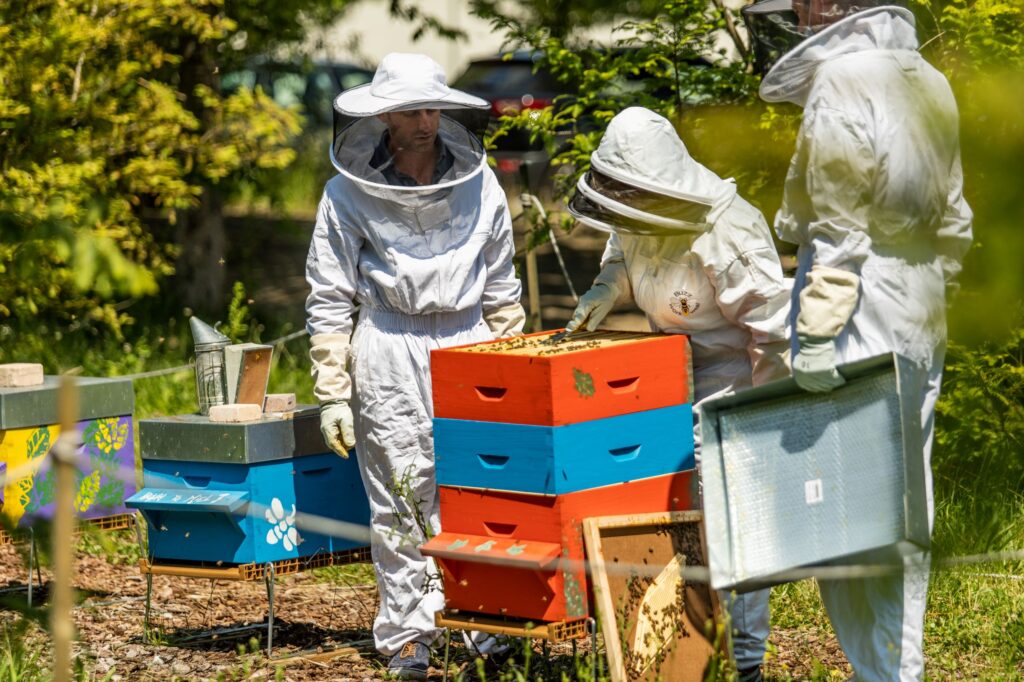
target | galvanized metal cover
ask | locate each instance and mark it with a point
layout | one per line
(37, 405)
(194, 438)
(794, 479)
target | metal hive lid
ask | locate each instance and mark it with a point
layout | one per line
(194, 438)
(32, 406)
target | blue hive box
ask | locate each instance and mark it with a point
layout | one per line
(552, 460)
(239, 493)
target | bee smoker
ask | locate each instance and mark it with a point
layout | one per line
(211, 378)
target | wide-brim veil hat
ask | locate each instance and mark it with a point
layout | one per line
(405, 81)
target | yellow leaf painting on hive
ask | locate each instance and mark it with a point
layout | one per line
(111, 434)
(24, 451)
(87, 491)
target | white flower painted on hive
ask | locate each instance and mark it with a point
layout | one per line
(282, 528)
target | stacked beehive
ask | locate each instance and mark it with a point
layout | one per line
(28, 430)
(232, 493)
(531, 438)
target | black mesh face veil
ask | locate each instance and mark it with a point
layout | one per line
(646, 201)
(612, 205)
(356, 153)
(773, 25)
(777, 26)
(589, 213)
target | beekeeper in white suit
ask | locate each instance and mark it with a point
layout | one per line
(415, 232)
(874, 199)
(698, 260)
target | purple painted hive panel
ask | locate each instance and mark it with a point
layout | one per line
(106, 475)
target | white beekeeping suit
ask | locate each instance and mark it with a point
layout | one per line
(697, 259)
(874, 199)
(426, 267)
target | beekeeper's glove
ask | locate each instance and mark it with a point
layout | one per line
(338, 426)
(506, 321)
(814, 366)
(595, 305)
(333, 388)
(827, 301)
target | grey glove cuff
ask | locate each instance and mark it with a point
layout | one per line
(329, 354)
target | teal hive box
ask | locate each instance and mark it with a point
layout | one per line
(28, 430)
(244, 493)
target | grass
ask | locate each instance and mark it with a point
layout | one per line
(975, 619)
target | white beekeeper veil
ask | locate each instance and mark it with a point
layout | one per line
(642, 180)
(404, 82)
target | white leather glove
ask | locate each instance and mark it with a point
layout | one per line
(338, 426)
(814, 366)
(593, 307)
(506, 321)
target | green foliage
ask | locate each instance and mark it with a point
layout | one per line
(93, 134)
(657, 63)
(980, 416)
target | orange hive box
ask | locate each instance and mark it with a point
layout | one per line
(591, 376)
(521, 555)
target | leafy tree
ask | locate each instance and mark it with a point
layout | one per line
(93, 135)
(671, 63)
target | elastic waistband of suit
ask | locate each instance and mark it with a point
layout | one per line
(388, 320)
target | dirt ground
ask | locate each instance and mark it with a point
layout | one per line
(310, 615)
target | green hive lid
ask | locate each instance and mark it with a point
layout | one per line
(33, 406)
(194, 438)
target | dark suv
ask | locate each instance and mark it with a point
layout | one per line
(510, 84)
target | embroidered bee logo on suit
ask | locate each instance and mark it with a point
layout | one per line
(683, 303)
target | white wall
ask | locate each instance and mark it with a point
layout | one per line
(378, 33)
(375, 33)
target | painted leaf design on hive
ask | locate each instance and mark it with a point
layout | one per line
(584, 382)
(87, 491)
(37, 447)
(111, 434)
(39, 443)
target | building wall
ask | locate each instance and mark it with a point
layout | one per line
(367, 32)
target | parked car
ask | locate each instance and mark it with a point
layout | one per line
(311, 85)
(510, 84)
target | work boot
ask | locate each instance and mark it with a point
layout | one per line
(411, 662)
(751, 674)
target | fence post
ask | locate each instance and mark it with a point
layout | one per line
(61, 626)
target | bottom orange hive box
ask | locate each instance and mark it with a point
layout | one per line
(521, 555)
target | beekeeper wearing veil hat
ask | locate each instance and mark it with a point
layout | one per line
(698, 260)
(874, 199)
(415, 233)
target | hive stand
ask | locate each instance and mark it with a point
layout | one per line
(553, 632)
(247, 573)
(116, 522)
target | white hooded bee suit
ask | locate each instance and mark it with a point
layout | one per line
(875, 190)
(426, 267)
(720, 281)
